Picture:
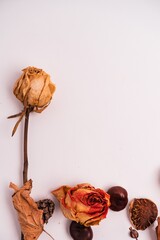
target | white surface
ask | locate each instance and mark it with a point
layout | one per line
(103, 125)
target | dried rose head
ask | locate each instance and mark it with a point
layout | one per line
(34, 88)
(143, 212)
(83, 203)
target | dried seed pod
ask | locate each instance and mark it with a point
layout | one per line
(118, 198)
(143, 212)
(133, 233)
(47, 206)
(80, 232)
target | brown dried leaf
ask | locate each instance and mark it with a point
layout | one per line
(29, 216)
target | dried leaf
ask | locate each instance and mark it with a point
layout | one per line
(29, 216)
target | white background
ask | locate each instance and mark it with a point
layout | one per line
(103, 125)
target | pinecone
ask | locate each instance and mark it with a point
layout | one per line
(47, 206)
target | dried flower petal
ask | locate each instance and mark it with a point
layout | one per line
(29, 216)
(143, 212)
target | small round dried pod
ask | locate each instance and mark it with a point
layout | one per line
(133, 233)
(80, 232)
(143, 212)
(118, 198)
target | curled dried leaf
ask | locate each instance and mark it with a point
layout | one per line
(29, 216)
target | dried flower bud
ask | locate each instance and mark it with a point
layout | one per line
(34, 88)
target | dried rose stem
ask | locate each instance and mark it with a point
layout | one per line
(25, 163)
(25, 166)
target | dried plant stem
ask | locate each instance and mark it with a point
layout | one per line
(25, 166)
(48, 234)
(25, 156)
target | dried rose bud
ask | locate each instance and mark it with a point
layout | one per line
(34, 88)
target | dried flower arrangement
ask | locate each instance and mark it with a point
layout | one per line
(83, 204)
(35, 90)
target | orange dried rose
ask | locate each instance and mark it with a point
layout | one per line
(83, 203)
(29, 216)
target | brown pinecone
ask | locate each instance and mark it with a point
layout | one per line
(47, 206)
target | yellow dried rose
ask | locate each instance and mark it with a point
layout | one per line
(35, 90)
